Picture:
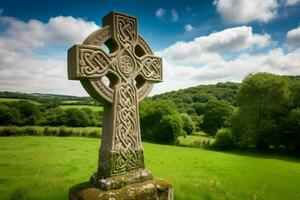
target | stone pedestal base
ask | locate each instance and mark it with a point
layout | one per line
(154, 189)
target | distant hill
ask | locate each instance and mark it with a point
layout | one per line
(39, 97)
(187, 100)
(191, 100)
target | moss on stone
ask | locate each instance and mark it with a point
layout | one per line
(157, 189)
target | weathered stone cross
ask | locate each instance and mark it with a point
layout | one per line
(131, 69)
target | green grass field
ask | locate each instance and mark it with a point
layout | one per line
(11, 99)
(45, 167)
(94, 108)
(70, 101)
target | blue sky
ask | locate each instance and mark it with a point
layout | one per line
(201, 41)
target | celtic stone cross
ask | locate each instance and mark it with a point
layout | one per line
(131, 69)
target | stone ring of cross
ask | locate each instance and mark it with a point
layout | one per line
(129, 61)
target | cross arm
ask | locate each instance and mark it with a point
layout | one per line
(152, 68)
(86, 61)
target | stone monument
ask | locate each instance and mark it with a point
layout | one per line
(131, 69)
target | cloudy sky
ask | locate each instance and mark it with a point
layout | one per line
(200, 41)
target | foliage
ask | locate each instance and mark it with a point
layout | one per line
(224, 139)
(188, 124)
(263, 101)
(192, 100)
(160, 121)
(216, 114)
(9, 115)
(290, 136)
(27, 113)
(294, 86)
(61, 131)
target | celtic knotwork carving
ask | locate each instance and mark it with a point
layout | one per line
(126, 64)
(92, 63)
(126, 127)
(127, 161)
(121, 149)
(126, 29)
(152, 68)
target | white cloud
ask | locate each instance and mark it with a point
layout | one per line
(245, 11)
(292, 2)
(19, 35)
(160, 13)
(293, 37)
(24, 66)
(174, 15)
(207, 48)
(203, 61)
(178, 76)
(188, 28)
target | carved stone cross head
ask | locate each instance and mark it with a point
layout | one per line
(131, 69)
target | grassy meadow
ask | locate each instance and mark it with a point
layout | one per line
(45, 167)
(93, 108)
(14, 99)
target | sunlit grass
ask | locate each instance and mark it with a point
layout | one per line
(45, 167)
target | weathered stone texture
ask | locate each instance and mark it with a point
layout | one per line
(155, 189)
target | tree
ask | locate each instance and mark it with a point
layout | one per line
(76, 117)
(216, 114)
(30, 113)
(290, 136)
(263, 100)
(199, 107)
(54, 117)
(9, 116)
(294, 86)
(202, 97)
(160, 121)
(188, 124)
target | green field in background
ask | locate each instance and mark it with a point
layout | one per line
(94, 108)
(11, 100)
(45, 167)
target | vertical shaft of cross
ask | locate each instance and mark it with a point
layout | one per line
(121, 149)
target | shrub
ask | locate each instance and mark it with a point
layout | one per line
(63, 132)
(94, 134)
(31, 131)
(160, 121)
(224, 139)
(188, 124)
(9, 131)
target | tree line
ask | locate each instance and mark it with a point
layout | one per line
(262, 112)
(23, 113)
